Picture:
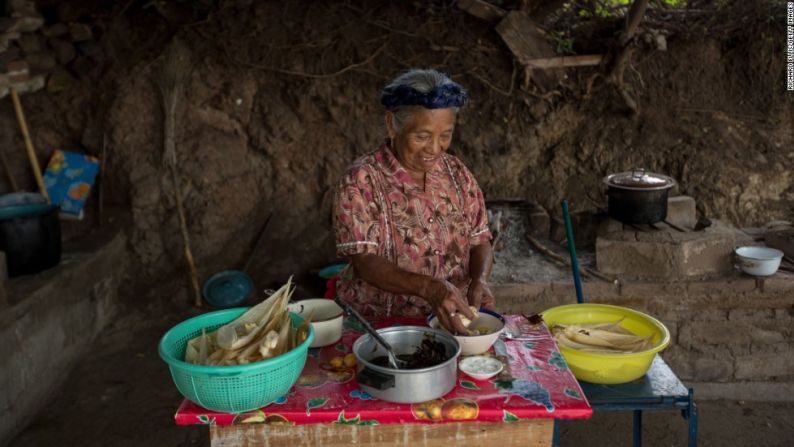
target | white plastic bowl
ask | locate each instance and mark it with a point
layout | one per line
(326, 317)
(480, 367)
(476, 344)
(758, 261)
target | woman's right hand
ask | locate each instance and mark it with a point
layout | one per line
(446, 300)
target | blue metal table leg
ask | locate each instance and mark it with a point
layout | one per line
(637, 428)
(693, 420)
(555, 437)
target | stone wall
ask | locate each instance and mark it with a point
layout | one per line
(731, 338)
(52, 321)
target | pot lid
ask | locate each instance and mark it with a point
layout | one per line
(639, 179)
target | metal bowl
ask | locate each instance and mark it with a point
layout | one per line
(759, 261)
(405, 385)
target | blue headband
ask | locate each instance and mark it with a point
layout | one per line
(441, 97)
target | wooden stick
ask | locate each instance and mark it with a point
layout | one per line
(542, 248)
(586, 272)
(7, 170)
(565, 61)
(191, 264)
(23, 126)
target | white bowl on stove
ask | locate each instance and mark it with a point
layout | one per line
(758, 261)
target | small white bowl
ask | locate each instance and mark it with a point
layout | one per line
(476, 344)
(480, 367)
(758, 261)
(326, 316)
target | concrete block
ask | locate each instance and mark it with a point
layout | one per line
(665, 255)
(608, 225)
(681, 211)
(712, 369)
(765, 366)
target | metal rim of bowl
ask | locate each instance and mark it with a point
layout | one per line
(778, 254)
(365, 337)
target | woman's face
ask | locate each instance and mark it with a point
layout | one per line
(424, 137)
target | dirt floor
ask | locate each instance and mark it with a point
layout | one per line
(121, 394)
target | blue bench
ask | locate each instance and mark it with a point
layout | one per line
(658, 390)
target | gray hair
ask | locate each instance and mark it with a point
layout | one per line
(422, 80)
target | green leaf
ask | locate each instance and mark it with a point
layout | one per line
(570, 392)
(503, 384)
(206, 420)
(469, 385)
(341, 347)
(509, 417)
(317, 402)
(342, 420)
(353, 421)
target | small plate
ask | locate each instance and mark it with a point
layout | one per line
(480, 367)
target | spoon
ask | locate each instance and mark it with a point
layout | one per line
(393, 360)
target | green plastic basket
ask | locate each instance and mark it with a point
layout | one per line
(230, 389)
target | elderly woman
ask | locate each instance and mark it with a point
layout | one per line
(410, 216)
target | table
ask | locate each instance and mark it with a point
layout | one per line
(659, 390)
(327, 407)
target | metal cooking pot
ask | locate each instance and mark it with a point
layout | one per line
(405, 385)
(638, 197)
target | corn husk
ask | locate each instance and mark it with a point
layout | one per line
(264, 331)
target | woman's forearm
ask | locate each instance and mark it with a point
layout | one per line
(480, 262)
(386, 276)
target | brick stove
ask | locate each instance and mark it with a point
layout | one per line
(666, 252)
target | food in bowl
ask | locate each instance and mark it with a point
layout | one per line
(758, 261)
(488, 325)
(480, 367)
(600, 337)
(609, 367)
(326, 317)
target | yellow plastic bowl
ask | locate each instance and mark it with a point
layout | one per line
(608, 368)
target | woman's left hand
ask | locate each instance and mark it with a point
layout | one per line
(480, 295)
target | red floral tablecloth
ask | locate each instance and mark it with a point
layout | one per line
(539, 385)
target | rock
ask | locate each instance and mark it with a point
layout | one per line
(31, 43)
(80, 32)
(41, 61)
(90, 48)
(9, 55)
(20, 7)
(27, 23)
(56, 30)
(6, 38)
(5, 23)
(65, 52)
(60, 80)
(34, 84)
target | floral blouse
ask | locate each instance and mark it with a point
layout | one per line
(379, 209)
